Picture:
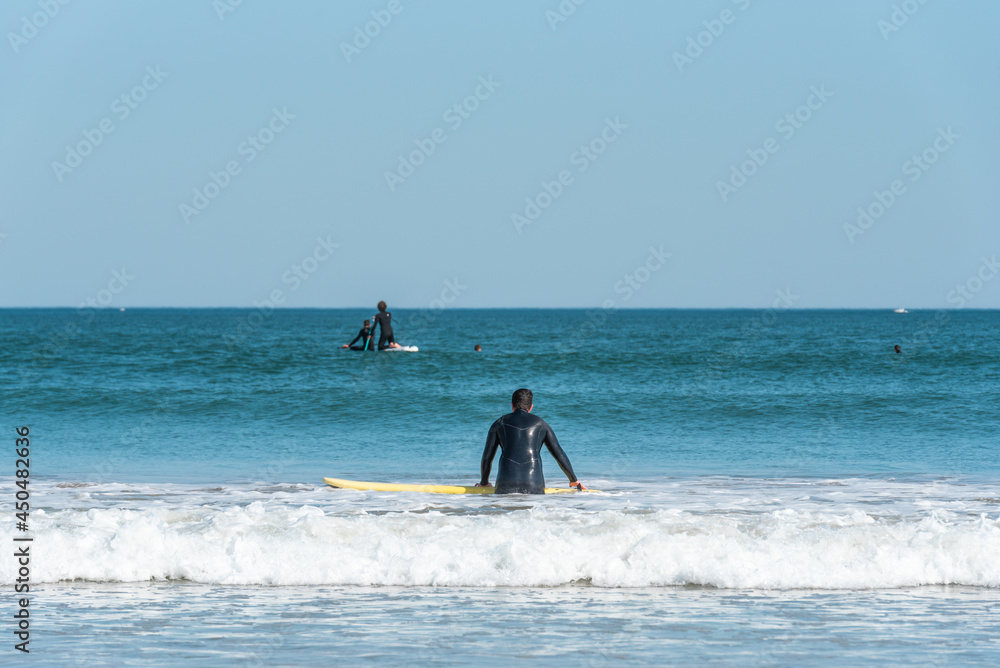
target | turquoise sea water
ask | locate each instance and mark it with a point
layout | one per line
(779, 488)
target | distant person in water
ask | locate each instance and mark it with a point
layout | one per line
(478, 348)
(384, 321)
(520, 437)
(898, 349)
(365, 336)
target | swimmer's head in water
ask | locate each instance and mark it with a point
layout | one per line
(522, 399)
(381, 306)
(478, 348)
(898, 349)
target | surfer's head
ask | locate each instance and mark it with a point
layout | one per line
(368, 323)
(478, 348)
(522, 398)
(898, 349)
(381, 306)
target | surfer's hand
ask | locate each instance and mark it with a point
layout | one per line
(344, 346)
(482, 484)
(578, 485)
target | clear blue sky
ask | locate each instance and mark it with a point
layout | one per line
(673, 130)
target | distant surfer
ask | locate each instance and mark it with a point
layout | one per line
(520, 436)
(478, 348)
(384, 321)
(365, 336)
(898, 349)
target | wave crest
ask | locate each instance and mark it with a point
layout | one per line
(303, 545)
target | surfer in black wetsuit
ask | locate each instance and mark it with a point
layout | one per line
(364, 336)
(384, 321)
(521, 436)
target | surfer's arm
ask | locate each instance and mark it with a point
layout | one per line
(552, 443)
(360, 335)
(492, 442)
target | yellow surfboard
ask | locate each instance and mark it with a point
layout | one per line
(431, 489)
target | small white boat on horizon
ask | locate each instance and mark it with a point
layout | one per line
(900, 310)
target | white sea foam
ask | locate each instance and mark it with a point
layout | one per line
(312, 536)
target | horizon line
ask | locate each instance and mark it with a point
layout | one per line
(498, 308)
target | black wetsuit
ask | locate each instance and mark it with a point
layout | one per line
(363, 336)
(382, 319)
(520, 436)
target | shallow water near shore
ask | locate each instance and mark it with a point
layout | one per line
(156, 623)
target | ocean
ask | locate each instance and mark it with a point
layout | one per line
(776, 488)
